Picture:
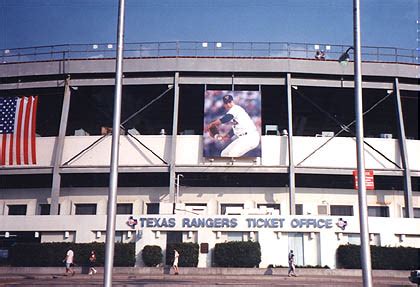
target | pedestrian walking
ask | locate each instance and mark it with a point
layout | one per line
(175, 264)
(92, 263)
(69, 260)
(292, 267)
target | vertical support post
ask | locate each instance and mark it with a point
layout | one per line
(233, 82)
(363, 212)
(172, 182)
(59, 145)
(113, 177)
(292, 205)
(408, 194)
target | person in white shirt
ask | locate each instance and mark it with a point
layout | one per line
(292, 267)
(175, 264)
(69, 260)
(244, 129)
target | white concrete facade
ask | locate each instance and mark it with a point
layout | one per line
(317, 244)
(340, 152)
(275, 229)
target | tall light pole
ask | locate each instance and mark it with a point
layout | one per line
(113, 177)
(363, 213)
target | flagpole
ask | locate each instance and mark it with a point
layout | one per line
(113, 178)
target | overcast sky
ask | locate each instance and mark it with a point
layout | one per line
(388, 23)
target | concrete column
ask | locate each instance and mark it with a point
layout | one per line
(58, 150)
(328, 244)
(408, 194)
(172, 174)
(206, 236)
(138, 206)
(212, 206)
(270, 249)
(292, 208)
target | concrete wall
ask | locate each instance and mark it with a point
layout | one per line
(338, 153)
(311, 198)
(319, 244)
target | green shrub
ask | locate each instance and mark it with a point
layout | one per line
(237, 254)
(348, 256)
(124, 255)
(388, 258)
(53, 254)
(151, 255)
(188, 254)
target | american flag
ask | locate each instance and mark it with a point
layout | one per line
(17, 130)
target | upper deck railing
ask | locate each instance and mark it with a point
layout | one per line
(203, 49)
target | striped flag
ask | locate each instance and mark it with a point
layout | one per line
(17, 130)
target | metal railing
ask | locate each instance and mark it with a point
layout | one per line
(203, 49)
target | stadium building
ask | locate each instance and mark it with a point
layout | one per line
(294, 190)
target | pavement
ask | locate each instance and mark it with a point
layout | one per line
(248, 277)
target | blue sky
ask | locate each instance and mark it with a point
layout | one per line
(387, 23)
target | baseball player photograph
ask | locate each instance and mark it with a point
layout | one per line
(232, 124)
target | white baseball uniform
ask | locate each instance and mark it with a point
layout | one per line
(244, 128)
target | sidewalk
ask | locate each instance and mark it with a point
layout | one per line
(143, 276)
(219, 271)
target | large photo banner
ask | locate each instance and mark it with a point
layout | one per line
(232, 124)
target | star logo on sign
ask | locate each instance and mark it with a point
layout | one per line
(341, 223)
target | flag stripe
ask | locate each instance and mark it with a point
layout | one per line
(12, 138)
(26, 130)
(33, 138)
(18, 122)
(3, 150)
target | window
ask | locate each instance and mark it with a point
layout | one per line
(235, 236)
(196, 208)
(118, 237)
(44, 209)
(18, 209)
(85, 209)
(124, 237)
(299, 209)
(124, 208)
(231, 208)
(346, 210)
(416, 211)
(274, 206)
(173, 237)
(152, 208)
(322, 209)
(353, 238)
(378, 211)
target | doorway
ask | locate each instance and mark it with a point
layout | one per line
(172, 237)
(296, 244)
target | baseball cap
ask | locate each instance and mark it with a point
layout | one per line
(227, 99)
